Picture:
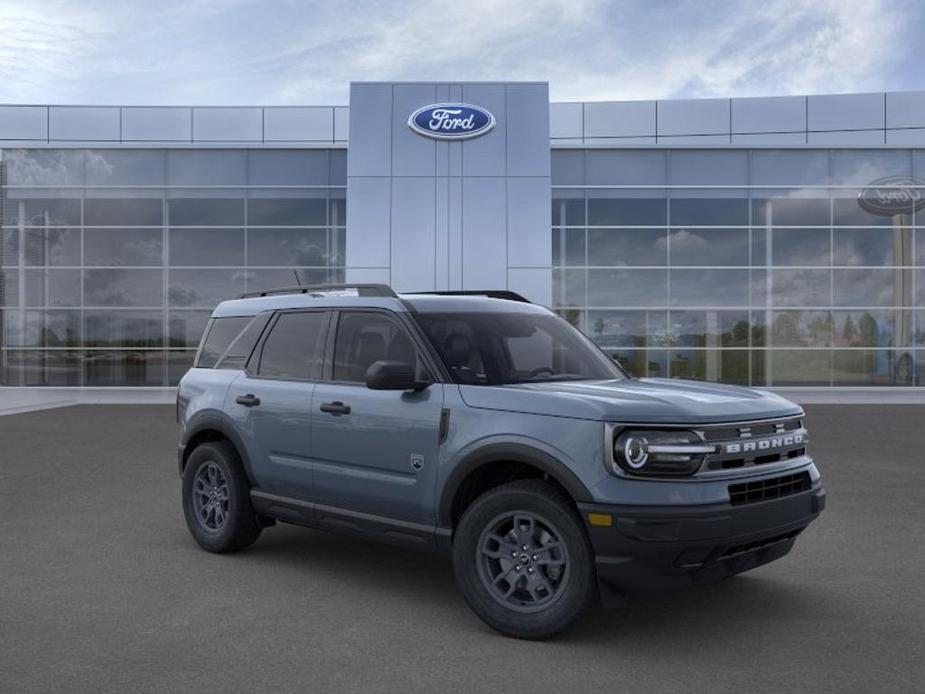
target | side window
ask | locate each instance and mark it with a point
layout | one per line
(295, 346)
(241, 347)
(365, 338)
(219, 334)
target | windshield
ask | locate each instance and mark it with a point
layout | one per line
(501, 348)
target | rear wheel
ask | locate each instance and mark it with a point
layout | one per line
(216, 499)
(523, 561)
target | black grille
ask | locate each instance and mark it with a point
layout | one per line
(773, 488)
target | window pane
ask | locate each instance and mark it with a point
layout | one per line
(720, 365)
(612, 329)
(204, 288)
(44, 167)
(791, 211)
(872, 247)
(620, 247)
(627, 287)
(125, 167)
(627, 211)
(862, 166)
(9, 248)
(873, 328)
(801, 329)
(40, 212)
(53, 287)
(52, 329)
(847, 212)
(123, 247)
(709, 328)
(113, 287)
(801, 287)
(801, 247)
(287, 212)
(568, 287)
(799, 367)
(365, 338)
(709, 211)
(204, 247)
(293, 349)
(708, 246)
(178, 363)
(288, 167)
(215, 212)
(709, 287)
(52, 246)
(221, 334)
(185, 328)
(239, 351)
(289, 247)
(861, 367)
(206, 167)
(112, 368)
(41, 368)
(140, 212)
(787, 167)
(123, 328)
(872, 287)
(568, 211)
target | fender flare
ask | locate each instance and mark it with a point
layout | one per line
(507, 452)
(212, 420)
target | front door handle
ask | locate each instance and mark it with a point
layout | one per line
(249, 400)
(335, 408)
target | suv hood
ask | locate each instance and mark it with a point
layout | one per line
(648, 400)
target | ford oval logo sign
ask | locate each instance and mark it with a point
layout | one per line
(451, 121)
(893, 195)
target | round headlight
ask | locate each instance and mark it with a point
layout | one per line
(635, 451)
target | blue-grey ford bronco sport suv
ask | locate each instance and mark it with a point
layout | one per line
(484, 426)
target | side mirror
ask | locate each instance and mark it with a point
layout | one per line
(393, 375)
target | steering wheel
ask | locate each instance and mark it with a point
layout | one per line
(542, 369)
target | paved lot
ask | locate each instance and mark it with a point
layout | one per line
(102, 590)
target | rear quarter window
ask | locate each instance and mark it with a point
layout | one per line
(229, 341)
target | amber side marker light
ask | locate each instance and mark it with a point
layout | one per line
(603, 519)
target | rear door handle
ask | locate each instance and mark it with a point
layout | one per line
(335, 408)
(249, 400)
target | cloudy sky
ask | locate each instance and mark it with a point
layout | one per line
(290, 52)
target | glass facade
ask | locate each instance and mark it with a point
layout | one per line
(112, 259)
(755, 267)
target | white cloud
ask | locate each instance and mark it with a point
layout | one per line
(307, 52)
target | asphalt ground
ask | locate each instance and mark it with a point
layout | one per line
(103, 590)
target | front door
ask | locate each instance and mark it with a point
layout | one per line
(374, 451)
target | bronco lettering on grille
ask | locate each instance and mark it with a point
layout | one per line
(764, 444)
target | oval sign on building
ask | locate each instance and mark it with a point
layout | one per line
(893, 195)
(451, 121)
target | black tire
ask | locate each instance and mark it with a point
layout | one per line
(529, 612)
(239, 527)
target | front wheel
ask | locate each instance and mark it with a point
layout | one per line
(523, 561)
(216, 499)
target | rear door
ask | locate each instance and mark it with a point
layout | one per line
(270, 403)
(375, 451)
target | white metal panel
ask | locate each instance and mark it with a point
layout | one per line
(486, 155)
(619, 119)
(341, 123)
(370, 151)
(847, 137)
(368, 275)
(484, 233)
(693, 117)
(23, 123)
(770, 139)
(156, 124)
(297, 123)
(527, 116)
(905, 110)
(528, 205)
(368, 212)
(239, 124)
(412, 154)
(565, 120)
(780, 114)
(413, 249)
(908, 136)
(693, 140)
(95, 123)
(845, 111)
(533, 283)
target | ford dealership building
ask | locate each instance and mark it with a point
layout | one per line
(759, 241)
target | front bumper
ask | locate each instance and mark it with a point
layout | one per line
(648, 549)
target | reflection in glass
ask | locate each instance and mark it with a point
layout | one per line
(116, 328)
(725, 365)
(123, 247)
(801, 329)
(53, 287)
(52, 329)
(185, 328)
(801, 247)
(568, 211)
(122, 287)
(128, 368)
(868, 287)
(790, 211)
(289, 247)
(801, 287)
(214, 212)
(872, 246)
(204, 288)
(205, 247)
(137, 211)
(709, 287)
(286, 212)
(708, 247)
(606, 211)
(612, 329)
(627, 288)
(871, 367)
(709, 328)
(568, 287)
(622, 247)
(703, 211)
(52, 246)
